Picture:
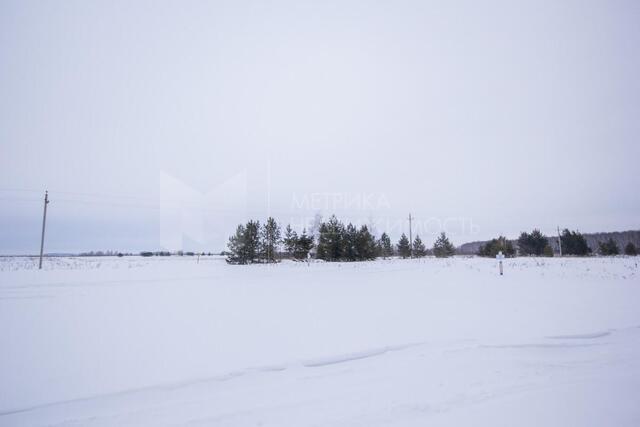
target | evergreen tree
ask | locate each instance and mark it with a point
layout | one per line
(251, 241)
(538, 242)
(494, 246)
(419, 250)
(349, 243)
(236, 246)
(442, 247)
(330, 240)
(386, 250)
(609, 247)
(290, 240)
(270, 238)
(404, 248)
(524, 245)
(574, 243)
(322, 250)
(532, 244)
(365, 244)
(378, 248)
(244, 245)
(304, 244)
(630, 249)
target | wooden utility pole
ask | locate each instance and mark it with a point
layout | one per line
(559, 241)
(410, 239)
(44, 222)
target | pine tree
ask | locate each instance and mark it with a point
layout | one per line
(494, 246)
(378, 247)
(418, 248)
(236, 247)
(290, 240)
(574, 243)
(524, 244)
(330, 240)
(322, 250)
(609, 247)
(630, 249)
(532, 244)
(404, 249)
(304, 244)
(386, 250)
(442, 247)
(365, 244)
(251, 241)
(349, 237)
(270, 238)
(244, 245)
(538, 242)
(508, 249)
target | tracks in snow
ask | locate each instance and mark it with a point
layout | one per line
(314, 363)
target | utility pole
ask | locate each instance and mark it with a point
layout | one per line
(44, 222)
(410, 239)
(559, 241)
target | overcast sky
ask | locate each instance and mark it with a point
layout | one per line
(163, 124)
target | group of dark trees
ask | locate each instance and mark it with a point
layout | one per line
(494, 246)
(574, 243)
(610, 247)
(335, 241)
(253, 242)
(535, 243)
(442, 247)
(297, 247)
(339, 242)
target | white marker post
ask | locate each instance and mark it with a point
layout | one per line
(500, 257)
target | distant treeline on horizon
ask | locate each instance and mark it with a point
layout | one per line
(335, 241)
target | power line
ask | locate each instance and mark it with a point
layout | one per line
(77, 193)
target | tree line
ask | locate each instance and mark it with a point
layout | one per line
(254, 242)
(536, 244)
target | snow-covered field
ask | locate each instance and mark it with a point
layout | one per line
(169, 341)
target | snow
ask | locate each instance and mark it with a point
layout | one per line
(442, 342)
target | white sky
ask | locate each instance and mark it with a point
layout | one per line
(503, 115)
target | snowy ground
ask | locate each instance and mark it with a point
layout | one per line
(168, 341)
